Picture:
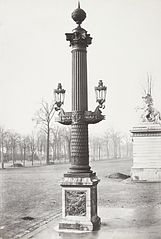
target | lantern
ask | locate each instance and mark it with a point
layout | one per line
(100, 91)
(59, 95)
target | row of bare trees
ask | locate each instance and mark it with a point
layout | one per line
(112, 145)
(51, 143)
(32, 148)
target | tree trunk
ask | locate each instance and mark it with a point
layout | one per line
(99, 152)
(107, 151)
(94, 152)
(21, 157)
(32, 158)
(41, 154)
(53, 152)
(58, 152)
(24, 156)
(2, 157)
(13, 160)
(69, 152)
(119, 150)
(115, 150)
(48, 141)
(127, 150)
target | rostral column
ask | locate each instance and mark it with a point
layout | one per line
(79, 185)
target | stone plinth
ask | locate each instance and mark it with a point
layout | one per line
(79, 202)
(146, 152)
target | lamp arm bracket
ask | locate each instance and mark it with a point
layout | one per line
(64, 117)
(97, 110)
(61, 112)
(94, 117)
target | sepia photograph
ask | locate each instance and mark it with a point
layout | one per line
(80, 119)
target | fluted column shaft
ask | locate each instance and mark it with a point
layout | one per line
(79, 130)
(79, 80)
(79, 41)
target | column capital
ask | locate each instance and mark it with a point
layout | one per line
(79, 38)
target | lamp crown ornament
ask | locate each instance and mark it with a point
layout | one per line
(78, 15)
(59, 89)
(79, 37)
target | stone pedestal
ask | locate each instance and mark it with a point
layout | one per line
(146, 152)
(79, 202)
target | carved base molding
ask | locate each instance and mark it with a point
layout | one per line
(146, 174)
(79, 203)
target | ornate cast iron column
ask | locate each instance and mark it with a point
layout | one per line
(79, 186)
(79, 40)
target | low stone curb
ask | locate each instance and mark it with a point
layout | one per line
(37, 227)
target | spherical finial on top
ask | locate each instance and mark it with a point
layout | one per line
(78, 15)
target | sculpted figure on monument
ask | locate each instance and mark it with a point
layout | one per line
(150, 113)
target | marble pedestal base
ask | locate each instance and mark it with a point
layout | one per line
(146, 153)
(79, 202)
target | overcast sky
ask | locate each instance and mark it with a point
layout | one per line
(35, 56)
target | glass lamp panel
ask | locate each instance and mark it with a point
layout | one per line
(57, 97)
(54, 96)
(105, 92)
(63, 97)
(96, 92)
(102, 94)
(60, 98)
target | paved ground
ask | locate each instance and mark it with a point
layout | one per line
(117, 223)
(34, 194)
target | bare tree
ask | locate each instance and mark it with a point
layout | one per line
(41, 145)
(99, 145)
(115, 137)
(67, 137)
(127, 143)
(106, 140)
(96, 147)
(25, 145)
(43, 118)
(7, 145)
(32, 146)
(92, 147)
(14, 140)
(2, 136)
(56, 142)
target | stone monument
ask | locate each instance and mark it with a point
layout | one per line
(79, 185)
(146, 137)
